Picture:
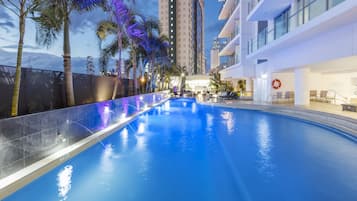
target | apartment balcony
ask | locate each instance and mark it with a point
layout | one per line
(260, 10)
(232, 22)
(231, 42)
(231, 60)
(232, 71)
(227, 9)
(315, 18)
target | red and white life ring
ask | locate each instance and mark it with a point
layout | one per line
(276, 84)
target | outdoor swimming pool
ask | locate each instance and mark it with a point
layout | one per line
(183, 151)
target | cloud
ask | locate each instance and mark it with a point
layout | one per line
(47, 61)
(84, 21)
(4, 14)
(25, 47)
(6, 22)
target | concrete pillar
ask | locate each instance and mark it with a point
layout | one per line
(249, 85)
(256, 91)
(302, 86)
(262, 88)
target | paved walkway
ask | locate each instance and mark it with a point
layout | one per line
(316, 106)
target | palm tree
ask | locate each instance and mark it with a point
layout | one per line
(54, 18)
(21, 8)
(158, 49)
(125, 26)
(136, 53)
(215, 80)
(105, 29)
(138, 41)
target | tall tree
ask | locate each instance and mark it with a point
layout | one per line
(54, 18)
(157, 51)
(21, 8)
(105, 29)
(127, 26)
(137, 57)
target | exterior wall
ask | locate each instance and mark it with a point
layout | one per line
(287, 82)
(341, 83)
(245, 33)
(43, 90)
(185, 51)
(164, 16)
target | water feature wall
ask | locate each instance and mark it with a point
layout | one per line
(30, 138)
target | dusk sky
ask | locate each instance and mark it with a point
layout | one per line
(83, 39)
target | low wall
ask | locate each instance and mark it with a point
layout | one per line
(43, 90)
(30, 138)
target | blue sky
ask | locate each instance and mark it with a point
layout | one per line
(83, 39)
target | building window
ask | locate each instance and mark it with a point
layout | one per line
(281, 24)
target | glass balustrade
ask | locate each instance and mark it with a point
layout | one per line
(285, 24)
(252, 4)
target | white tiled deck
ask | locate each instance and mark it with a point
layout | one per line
(315, 106)
(323, 113)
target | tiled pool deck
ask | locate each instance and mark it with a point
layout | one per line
(316, 106)
(323, 113)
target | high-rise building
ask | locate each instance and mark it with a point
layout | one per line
(183, 22)
(215, 61)
(293, 50)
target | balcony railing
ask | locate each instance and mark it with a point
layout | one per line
(230, 60)
(252, 4)
(295, 20)
(232, 8)
(232, 35)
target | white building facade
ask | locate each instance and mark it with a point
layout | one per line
(309, 46)
(236, 33)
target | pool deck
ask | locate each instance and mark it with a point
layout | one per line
(322, 113)
(316, 106)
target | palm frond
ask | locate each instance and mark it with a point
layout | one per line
(87, 5)
(48, 24)
(106, 28)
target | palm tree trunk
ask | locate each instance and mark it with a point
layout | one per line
(120, 46)
(149, 87)
(16, 92)
(134, 72)
(152, 73)
(67, 62)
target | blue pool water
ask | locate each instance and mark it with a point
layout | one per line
(182, 151)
